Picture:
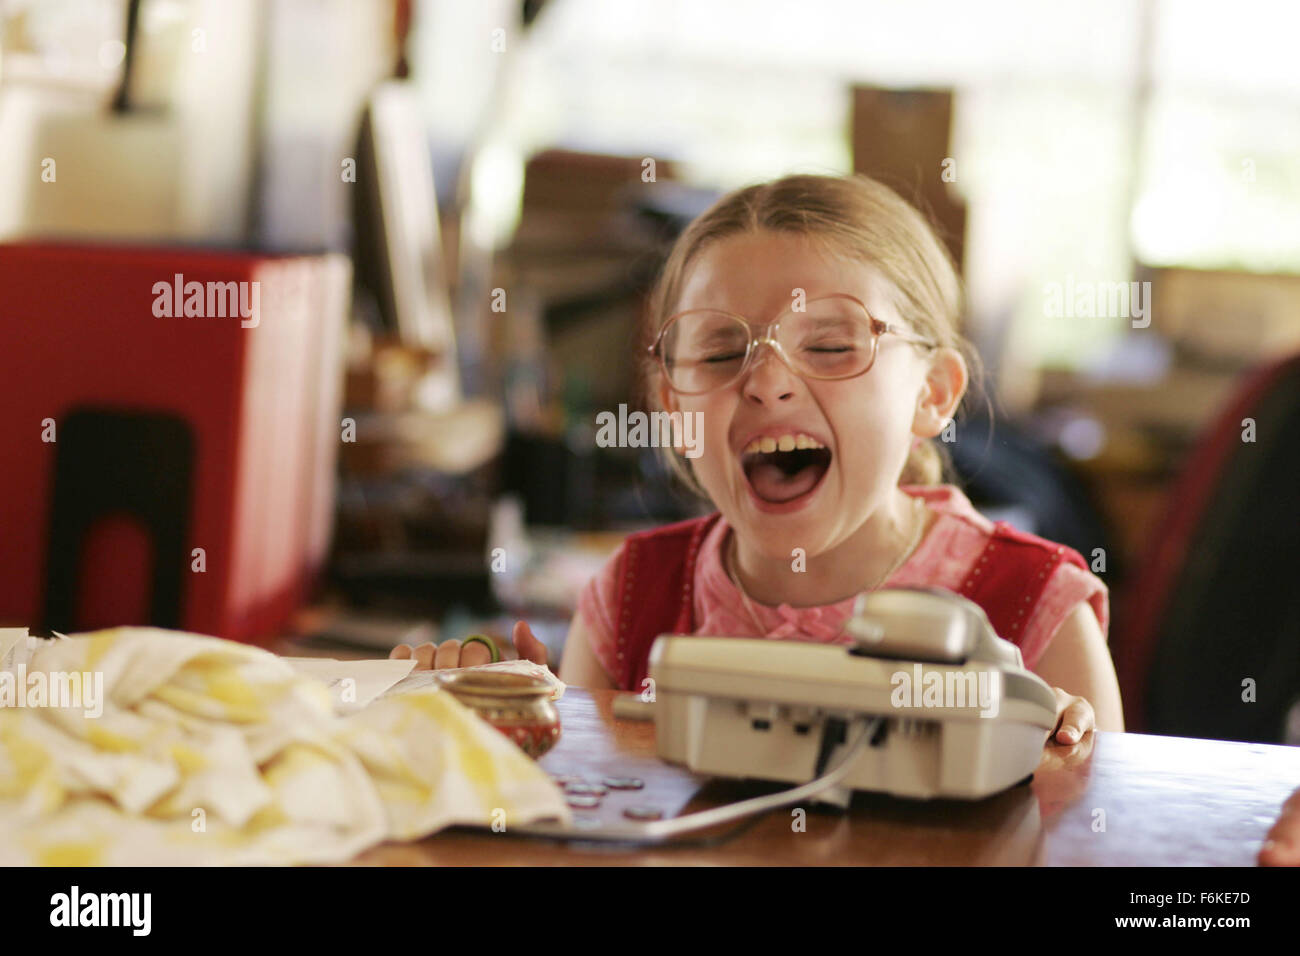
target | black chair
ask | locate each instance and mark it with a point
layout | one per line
(1212, 625)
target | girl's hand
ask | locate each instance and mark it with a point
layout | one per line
(1074, 717)
(451, 654)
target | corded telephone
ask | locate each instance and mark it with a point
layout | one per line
(948, 705)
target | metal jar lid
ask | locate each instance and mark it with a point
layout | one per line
(494, 685)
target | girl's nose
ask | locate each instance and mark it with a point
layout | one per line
(768, 379)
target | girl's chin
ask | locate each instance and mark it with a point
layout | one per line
(775, 533)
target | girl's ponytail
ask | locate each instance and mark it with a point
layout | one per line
(926, 464)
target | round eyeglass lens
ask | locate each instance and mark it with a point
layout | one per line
(831, 338)
(704, 350)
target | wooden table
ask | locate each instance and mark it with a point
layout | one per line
(1113, 799)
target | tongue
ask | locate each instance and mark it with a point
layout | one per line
(772, 484)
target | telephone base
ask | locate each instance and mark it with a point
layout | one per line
(781, 710)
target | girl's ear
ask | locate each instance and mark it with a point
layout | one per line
(941, 393)
(668, 402)
(667, 397)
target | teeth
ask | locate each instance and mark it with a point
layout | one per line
(782, 443)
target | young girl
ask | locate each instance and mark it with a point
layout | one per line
(810, 326)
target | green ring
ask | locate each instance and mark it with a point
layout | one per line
(486, 642)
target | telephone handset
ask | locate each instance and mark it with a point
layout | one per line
(952, 710)
(926, 624)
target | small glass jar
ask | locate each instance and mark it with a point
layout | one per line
(517, 705)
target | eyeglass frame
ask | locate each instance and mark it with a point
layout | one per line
(879, 327)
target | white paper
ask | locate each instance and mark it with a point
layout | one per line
(368, 678)
(17, 647)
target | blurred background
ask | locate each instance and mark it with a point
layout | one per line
(454, 210)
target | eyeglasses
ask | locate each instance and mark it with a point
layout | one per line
(832, 337)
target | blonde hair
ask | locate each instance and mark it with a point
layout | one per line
(855, 217)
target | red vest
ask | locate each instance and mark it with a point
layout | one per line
(656, 586)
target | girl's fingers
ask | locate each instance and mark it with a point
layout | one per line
(448, 655)
(473, 654)
(528, 646)
(1075, 717)
(423, 657)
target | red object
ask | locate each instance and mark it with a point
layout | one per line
(256, 400)
(656, 590)
(535, 738)
(1148, 597)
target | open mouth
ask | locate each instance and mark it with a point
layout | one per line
(778, 476)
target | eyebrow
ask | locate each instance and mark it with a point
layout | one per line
(834, 321)
(730, 335)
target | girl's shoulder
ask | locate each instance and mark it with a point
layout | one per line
(958, 533)
(1028, 584)
(950, 501)
(656, 561)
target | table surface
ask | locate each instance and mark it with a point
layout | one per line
(1111, 800)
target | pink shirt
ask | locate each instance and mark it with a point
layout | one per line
(953, 543)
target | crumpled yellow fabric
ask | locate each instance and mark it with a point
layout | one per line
(212, 752)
